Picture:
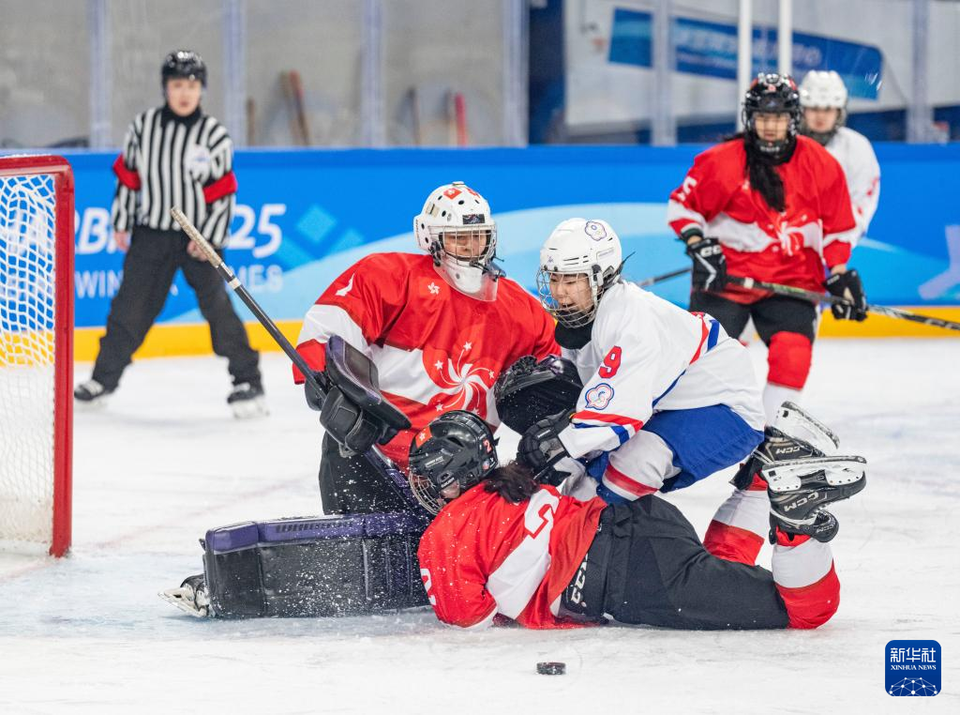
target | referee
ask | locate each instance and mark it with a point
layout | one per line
(174, 155)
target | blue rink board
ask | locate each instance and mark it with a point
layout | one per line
(305, 215)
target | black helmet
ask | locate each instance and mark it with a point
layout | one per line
(771, 93)
(456, 448)
(183, 63)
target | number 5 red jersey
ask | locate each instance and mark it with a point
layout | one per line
(484, 556)
(789, 247)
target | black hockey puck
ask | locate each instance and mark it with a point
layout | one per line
(551, 668)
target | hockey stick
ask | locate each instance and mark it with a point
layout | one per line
(816, 297)
(662, 277)
(318, 381)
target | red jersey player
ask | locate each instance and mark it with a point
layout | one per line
(439, 327)
(505, 547)
(779, 208)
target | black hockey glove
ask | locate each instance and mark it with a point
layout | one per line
(350, 426)
(849, 287)
(314, 396)
(540, 446)
(709, 265)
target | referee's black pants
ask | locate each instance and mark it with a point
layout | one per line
(151, 263)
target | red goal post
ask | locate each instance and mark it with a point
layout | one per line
(36, 352)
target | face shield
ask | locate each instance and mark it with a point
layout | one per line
(463, 258)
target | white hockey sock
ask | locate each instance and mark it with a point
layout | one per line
(776, 395)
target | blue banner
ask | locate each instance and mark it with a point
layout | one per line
(710, 49)
(304, 216)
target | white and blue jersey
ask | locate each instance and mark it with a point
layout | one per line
(667, 394)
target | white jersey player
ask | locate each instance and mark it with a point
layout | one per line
(668, 398)
(823, 97)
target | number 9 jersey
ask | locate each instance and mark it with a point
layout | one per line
(647, 356)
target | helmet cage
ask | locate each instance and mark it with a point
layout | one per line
(457, 448)
(456, 208)
(823, 90)
(598, 283)
(772, 94)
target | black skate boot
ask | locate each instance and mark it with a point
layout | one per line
(191, 597)
(794, 435)
(91, 394)
(823, 527)
(800, 489)
(247, 401)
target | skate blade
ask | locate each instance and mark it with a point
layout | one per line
(787, 476)
(250, 409)
(793, 421)
(182, 598)
(90, 405)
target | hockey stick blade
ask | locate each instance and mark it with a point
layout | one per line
(785, 476)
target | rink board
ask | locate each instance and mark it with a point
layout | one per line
(304, 216)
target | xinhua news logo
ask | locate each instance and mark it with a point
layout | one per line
(913, 668)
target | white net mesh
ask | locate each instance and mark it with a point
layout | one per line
(27, 368)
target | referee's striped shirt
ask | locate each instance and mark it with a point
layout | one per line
(167, 161)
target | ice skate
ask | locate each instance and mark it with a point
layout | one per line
(794, 438)
(247, 400)
(91, 395)
(800, 490)
(191, 597)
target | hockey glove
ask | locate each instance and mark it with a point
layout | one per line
(314, 396)
(349, 425)
(849, 287)
(709, 265)
(540, 447)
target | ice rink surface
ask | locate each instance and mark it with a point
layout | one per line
(165, 461)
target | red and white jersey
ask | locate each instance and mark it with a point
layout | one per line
(435, 348)
(646, 355)
(484, 556)
(759, 242)
(859, 162)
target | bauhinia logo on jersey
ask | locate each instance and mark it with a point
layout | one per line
(912, 668)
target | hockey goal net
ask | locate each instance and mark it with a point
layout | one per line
(36, 352)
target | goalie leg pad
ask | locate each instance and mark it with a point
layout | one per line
(324, 566)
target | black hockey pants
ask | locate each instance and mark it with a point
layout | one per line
(351, 485)
(655, 571)
(775, 314)
(149, 268)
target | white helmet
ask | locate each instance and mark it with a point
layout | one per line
(823, 89)
(462, 213)
(579, 246)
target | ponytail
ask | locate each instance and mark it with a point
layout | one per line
(762, 170)
(514, 482)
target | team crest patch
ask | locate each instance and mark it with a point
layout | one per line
(599, 397)
(595, 230)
